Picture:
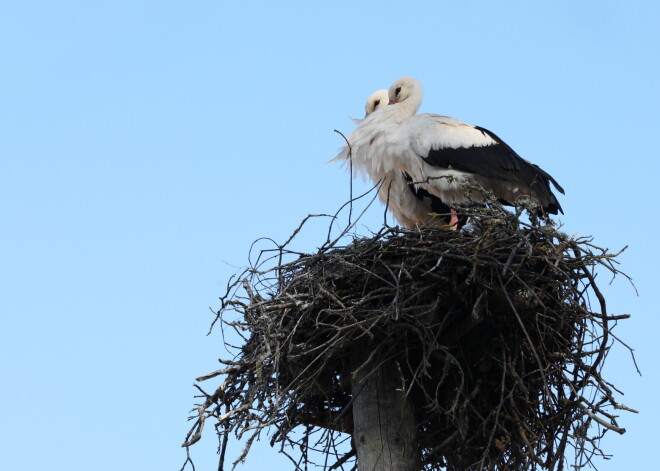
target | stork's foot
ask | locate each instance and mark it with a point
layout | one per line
(453, 222)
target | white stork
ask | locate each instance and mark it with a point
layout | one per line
(409, 204)
(438, 152)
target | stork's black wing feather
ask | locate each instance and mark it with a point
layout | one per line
(498, 161)
(506, 148)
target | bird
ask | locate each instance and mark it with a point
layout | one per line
(409, 205)
(438, 152)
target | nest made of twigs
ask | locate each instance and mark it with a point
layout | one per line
(499, 335)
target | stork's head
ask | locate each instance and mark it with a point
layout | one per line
(408, 92)
(376, 101)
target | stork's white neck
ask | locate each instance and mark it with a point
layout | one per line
(405, 108)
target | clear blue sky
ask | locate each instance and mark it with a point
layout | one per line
(145, 144)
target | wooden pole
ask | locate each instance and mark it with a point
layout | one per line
(384, 424)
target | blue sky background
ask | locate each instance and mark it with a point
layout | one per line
(145, 144)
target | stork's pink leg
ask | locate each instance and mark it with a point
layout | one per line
(453, 222)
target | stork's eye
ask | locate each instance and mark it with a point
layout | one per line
(376, 103)
(397, 91)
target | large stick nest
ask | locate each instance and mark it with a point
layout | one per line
(499, 335)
